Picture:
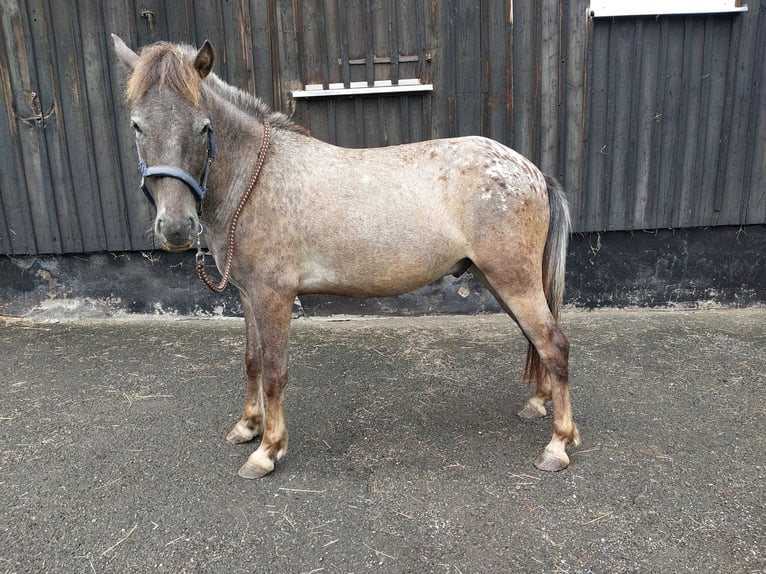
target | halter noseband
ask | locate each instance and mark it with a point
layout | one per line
(199, 189)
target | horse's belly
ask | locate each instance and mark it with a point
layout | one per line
(369, 274)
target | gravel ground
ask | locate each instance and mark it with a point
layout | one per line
(405, 451)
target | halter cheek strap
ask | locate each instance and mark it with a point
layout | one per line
(199, 189)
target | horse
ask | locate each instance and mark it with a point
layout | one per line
(286, 214)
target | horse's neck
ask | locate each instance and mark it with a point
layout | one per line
(238, 139)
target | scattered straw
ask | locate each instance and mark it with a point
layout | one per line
(120, 541)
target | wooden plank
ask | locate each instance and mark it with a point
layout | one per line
(324, 112)
(71, 145)
(175, 22)
(498, 33)
(393, 40)
(578, 32)
(369, 42)
(208, 23)
(620, 124)
(237, 65)
(525, 79)
(726, 111)
(346, 126)
(105, 195)
(408, 20)
(648, 128)
(151, 22)
(690, 121)
(468, 81)
(278, 92)
(286, 42)
(755, 180)
(716, 88)
(709, 127)
(405, 120)
(733, 186)
(137, 210)
(485, 62)
(393, 112)
(345, 71)
(309, 27)
(331, 38)
(31, 98)
(729, 187)
(593, 197)
(669, 92)
(441, 26)
(17, 232)
(424, 25)
(550, 96)
(264, 75)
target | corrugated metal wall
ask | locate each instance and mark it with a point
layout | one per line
(649, 122)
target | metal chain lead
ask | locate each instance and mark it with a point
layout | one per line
(233, 226)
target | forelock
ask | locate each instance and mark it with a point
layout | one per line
(165, 65)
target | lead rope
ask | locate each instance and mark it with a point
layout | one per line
(233, 226)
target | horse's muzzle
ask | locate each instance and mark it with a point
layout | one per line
(176, 234)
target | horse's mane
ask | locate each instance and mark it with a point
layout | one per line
(251, 105)
(172, 65)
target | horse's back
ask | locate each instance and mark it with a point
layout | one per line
(460, 175)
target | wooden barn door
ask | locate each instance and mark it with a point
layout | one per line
(59, 181)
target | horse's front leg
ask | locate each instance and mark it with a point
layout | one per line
(250, 425)
(267, 319)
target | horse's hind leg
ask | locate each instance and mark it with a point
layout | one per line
(535, 319)
(530, 310)
(535, 407)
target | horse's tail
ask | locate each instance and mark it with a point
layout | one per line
(554, 266)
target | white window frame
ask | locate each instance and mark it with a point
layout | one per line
(614, 8)
(380, 88)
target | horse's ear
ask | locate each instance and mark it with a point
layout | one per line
(203, 63)
(125, 54)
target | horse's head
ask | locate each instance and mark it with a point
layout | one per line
(173, 134)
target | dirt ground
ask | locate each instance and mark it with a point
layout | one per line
(405, 451)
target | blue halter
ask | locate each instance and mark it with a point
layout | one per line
(199, 189)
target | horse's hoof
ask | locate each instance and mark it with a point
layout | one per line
(241, 433)
(549, 462)
(532, 412)
(257, 466)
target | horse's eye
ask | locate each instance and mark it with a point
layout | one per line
(206, 127)
(135, 126)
